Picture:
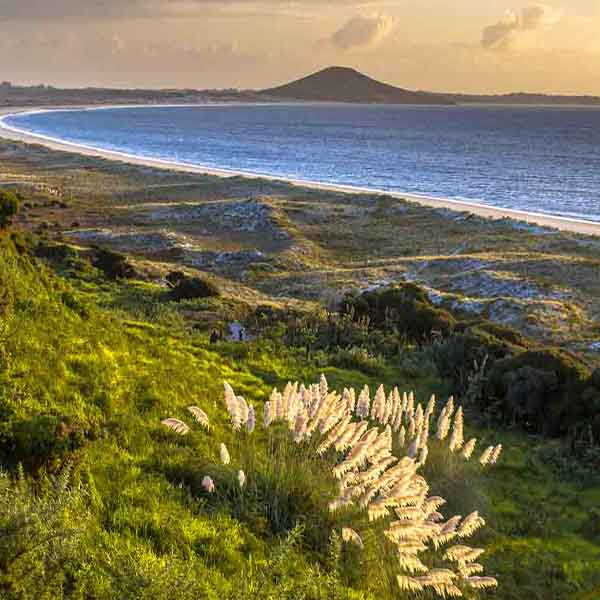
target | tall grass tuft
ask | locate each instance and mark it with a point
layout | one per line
(366, 458)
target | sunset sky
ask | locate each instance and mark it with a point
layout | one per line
(441, 45)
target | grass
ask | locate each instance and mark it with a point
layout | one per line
(543, 528)
(88, 369)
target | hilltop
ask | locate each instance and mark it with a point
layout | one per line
(341, 84)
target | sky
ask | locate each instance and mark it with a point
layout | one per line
(475, 46)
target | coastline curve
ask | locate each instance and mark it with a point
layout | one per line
(10, 132)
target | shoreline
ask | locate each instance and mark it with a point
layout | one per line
(459, 206)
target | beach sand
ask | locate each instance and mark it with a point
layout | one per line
(533, 219)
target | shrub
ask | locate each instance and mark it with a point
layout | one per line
(595, 379)
(113, 264)
(174, 277)
(405, 308)
(359, 359)
(503, 333)
(41, 525)
(9, 207)
(43, 440)
(23, 241)
(190, 288)
(472, 345)
(55, 252)
(490, 339)
(541, 389)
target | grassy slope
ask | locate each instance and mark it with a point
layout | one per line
(76, 349)
(541, 282)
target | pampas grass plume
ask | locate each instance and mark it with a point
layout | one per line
(177, 426)
(486, 456)
(267, 414)
(496, 454)
(224, 454)
(402, 437)
(481, 583)
(468, 448)
(241, 478)
(251, 423)
(200, 416)
(351, 537)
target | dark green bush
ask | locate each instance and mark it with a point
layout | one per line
(497, 340)
(113, 264)
(595, 379)
(55, 252)
(9, 207)
(472, 344)
(545, 390)
(405, 308)
(43, 440)
(592, 527)
(190, 288)
(174, 277)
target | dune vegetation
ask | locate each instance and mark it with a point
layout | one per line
(132, 469)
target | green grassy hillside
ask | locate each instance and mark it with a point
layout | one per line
(99, 500)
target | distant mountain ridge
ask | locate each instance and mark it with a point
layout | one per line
(334, 84)
(341, 84)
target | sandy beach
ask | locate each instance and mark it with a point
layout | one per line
(482, 210)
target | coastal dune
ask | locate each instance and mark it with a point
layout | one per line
(460, 207)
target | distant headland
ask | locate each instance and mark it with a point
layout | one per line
(342, 84)
(333, 84)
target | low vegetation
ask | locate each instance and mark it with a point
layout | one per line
(190, 288)
(100, 499)
(9, 207)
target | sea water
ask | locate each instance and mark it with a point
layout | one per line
(537, 159)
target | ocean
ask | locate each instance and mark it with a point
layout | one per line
(536, 159)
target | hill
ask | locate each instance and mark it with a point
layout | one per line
(340, 84)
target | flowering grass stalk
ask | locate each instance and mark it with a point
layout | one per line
(376, 450)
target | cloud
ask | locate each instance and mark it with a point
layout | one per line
(31, 10)
(99, 9)
(363, 31)
(516, 24)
